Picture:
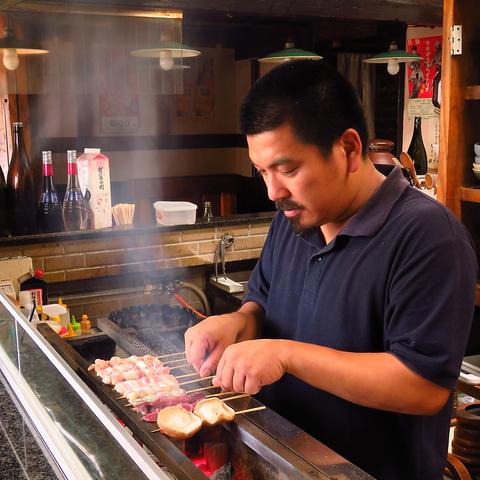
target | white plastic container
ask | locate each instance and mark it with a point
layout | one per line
(175, 213)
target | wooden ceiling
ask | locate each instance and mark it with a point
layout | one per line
(418, 12)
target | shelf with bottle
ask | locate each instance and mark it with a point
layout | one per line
(472, 92)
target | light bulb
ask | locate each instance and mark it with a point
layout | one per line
(166, 60)
(393, 67)
(10, 58)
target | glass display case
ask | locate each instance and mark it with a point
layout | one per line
(77, 433)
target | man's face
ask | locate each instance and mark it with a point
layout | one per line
(310, 188)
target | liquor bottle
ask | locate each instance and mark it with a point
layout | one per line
(3, 206)
(416, 150)
(20, 188)
(49, 212)
(74, 206)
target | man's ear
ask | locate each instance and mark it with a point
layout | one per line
(352, 146)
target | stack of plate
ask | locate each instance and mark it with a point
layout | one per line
(476, 170)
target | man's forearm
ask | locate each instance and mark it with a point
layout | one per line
(374, 380)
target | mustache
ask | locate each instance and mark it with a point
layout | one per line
(286, 204)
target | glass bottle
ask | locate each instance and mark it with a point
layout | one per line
(437, 87)
(207, 211)
(74, 206)
(3, 206)
(20, 188)
(416, 150)
(49, 212)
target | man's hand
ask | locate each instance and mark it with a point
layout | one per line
(248, 366)
(206, 341)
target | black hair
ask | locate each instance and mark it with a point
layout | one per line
(314, 99)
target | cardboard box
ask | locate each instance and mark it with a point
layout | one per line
(94, 178)
(12, 268)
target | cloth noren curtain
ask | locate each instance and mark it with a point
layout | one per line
(362, 76)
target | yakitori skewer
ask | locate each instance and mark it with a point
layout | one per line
(173, 361)
(242, 395)
(171, 355)
(195, 380)
(180, 366)
(221, 394)
(186, 375)
(202, 389)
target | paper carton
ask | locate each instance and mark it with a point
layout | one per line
(94, 178)
(12, 268)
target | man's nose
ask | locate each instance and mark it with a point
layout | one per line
(275, 188)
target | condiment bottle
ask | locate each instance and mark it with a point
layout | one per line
(37, 287)
(75, 325)
(85, 324)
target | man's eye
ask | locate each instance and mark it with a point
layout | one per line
(287, 173)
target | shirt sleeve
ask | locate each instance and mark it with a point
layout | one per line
(430, 305)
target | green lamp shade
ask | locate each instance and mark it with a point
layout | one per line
(289, 53)
(177, 50)
(393, 53)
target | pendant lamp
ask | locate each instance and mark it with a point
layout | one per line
(289, 53)
(167, 52)
(12, 47)
(393, 57)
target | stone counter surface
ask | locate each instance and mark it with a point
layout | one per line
(21, 458)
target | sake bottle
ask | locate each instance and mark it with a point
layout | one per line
(20, 188)
(416, 150)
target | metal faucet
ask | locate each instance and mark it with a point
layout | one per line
(226, 240)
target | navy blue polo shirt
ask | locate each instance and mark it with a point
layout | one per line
(399, 278)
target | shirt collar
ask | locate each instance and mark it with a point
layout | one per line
(370, 218)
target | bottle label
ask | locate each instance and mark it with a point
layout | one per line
(72, 168)
(47, 170)
(36, 294)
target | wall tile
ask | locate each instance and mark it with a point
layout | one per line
(87, 245)
(236, 230)
(64, 262)
(109, 257)
(259, 228)
(203, 234)
(244, 243)
(180, 250)
(207, 247)
(86, 273)
(55, 277)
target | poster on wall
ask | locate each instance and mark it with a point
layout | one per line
(422, 75)
(198, 90)
(114, 71)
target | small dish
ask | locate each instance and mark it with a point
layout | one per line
(476, 173)
(476, 166)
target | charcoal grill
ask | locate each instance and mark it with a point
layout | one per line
(258, 445)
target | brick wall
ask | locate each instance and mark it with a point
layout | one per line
(148, 251)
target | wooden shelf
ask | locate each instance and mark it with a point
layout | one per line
(469, 194)
(472, 92)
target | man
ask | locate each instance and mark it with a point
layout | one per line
(360, 305)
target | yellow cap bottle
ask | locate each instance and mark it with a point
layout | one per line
(85, 324)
